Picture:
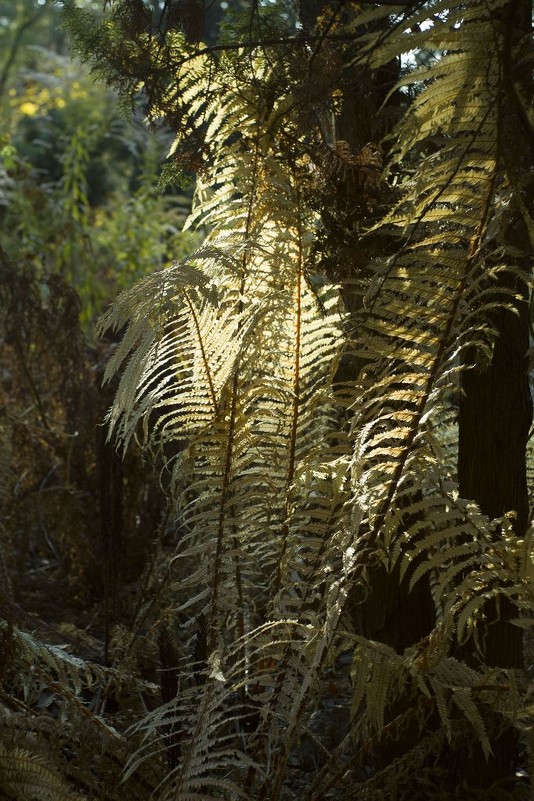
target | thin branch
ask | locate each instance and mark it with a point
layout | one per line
(15, 45)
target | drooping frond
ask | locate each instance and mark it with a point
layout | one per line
(431, 301)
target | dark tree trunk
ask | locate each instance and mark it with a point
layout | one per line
(399, 617)
(496, 407)
(494, 420)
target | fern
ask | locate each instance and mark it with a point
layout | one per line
(253, 390)
(25, 776)
(290, 490)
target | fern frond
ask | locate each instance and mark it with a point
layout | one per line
(463, 700)
(25, 776)
(413, 349)
(375, 668)
(228, 364)
(232, 356)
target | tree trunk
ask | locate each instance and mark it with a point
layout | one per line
(496, 408)
(494, 420)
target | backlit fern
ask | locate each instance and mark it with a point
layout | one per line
(288, 487)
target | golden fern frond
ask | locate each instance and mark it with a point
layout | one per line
(445, 684)
(431, 300)
(247, 388)
(205, 728)
(504, 571)
(165, 315)
(227, 369)
(236, 520)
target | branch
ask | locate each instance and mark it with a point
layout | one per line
(4, 75)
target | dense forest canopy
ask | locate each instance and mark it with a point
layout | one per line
(300, 565)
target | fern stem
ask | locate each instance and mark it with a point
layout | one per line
(295, 396)
(221, 518)
(281, 759)
(200, 341)
(232, 417)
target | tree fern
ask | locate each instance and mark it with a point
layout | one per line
(267, 401)
(287, 489)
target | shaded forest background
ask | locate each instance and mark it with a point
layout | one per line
(81, 218)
